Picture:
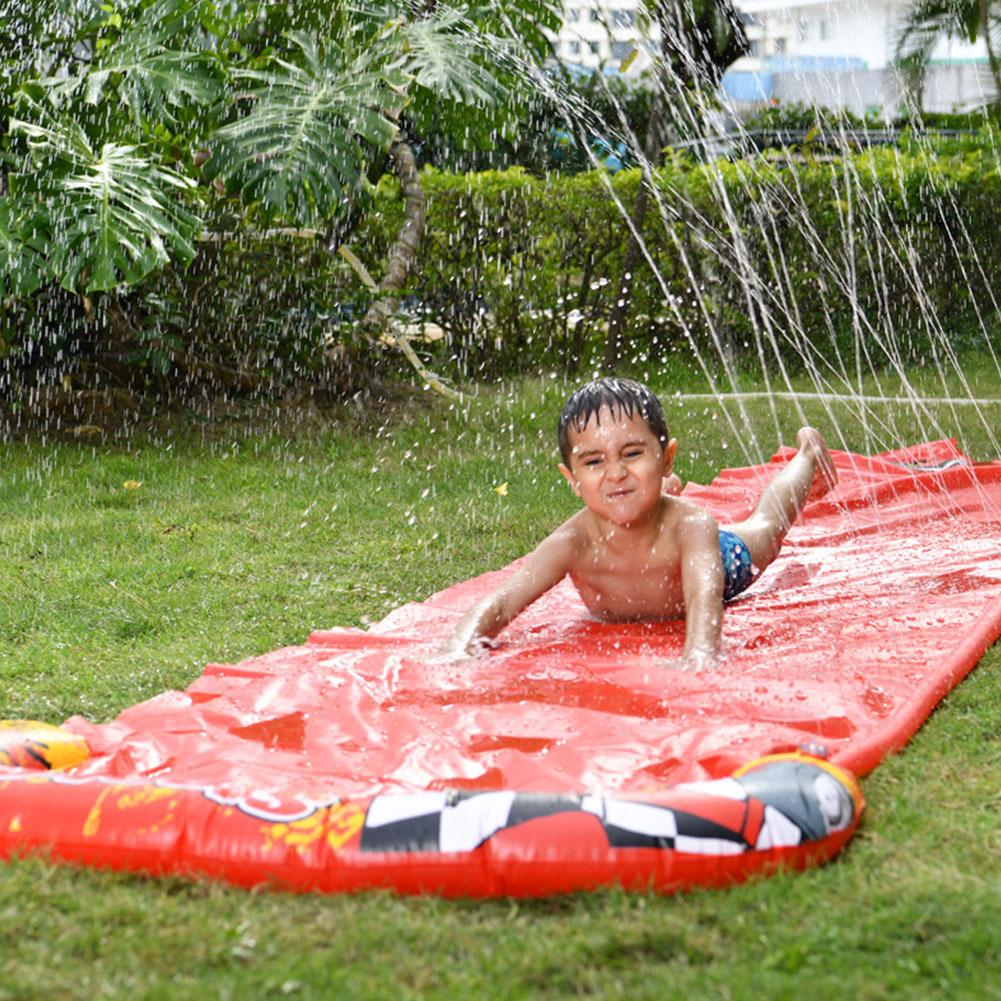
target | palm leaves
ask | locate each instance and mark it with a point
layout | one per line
(299, 151)
(99, 198)
(440, 56)
(302, 149)
(111, 214)
(928, 21)
(22, 262)
(92, 204)
(153, 67)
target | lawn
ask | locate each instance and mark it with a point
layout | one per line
(126, 566)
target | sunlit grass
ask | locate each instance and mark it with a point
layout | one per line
(244, 541)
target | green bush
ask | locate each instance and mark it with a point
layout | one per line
(593, 109)
(790, 115)
(879, 255)
(861, 262)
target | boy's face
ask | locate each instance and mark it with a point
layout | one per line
(617, 466)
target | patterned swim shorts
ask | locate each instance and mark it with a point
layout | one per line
(738, 572)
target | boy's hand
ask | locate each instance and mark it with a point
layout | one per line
(479, 646)
(698, 660)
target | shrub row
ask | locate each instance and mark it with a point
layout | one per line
(863, 260)
(889, 254)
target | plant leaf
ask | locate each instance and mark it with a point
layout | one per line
(22, 265)
(152, 68)
(438, 54)
(301, 150)
(112, 215)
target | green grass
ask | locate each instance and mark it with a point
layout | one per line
(243, 540)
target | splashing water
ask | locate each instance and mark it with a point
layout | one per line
(864, 376)
(867, 379)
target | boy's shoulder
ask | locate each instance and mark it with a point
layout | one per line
(682, 512)
(582, 533)
(688, 521)
(561, 550)
(575, 533)
(572, 539)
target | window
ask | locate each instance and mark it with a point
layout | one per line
(573, 48)
(573, 15)
(824, 32)
(623, 18)
(622, 50)
(595, 16)
(780, 46)
(594, 47)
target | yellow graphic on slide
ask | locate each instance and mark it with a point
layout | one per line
(26, 743)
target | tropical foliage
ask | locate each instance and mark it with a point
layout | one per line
(522, 270)
(928, 21)
(114, 108)
(518, 271)
(101, 216)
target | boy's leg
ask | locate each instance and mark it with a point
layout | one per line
(807, 476)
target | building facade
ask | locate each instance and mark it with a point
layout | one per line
(840, 53)
(603, 34)
(836, 53)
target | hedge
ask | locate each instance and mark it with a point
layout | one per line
(862, 260)
(890, 254)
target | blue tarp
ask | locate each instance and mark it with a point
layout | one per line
(743, 85)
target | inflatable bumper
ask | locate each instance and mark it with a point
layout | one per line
(567, 758)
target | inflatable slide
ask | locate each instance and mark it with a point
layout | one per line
(567, 758)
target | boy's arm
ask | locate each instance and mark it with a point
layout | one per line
(543, 568)
(702, 586)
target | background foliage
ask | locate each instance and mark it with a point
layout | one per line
(134, 131)
(517, 270)
(176, 177)
(521, 269)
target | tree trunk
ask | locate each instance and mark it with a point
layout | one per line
(991, 54)
(380, 317)
(403, 252)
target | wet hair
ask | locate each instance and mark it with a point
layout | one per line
(621, 396)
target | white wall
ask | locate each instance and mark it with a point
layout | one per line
(860, 33)
(947, 88)
(866, 30)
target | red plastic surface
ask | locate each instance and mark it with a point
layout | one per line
(887, 592)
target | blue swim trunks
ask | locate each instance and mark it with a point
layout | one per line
(738, 572)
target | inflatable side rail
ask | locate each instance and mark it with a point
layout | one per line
(783, 811)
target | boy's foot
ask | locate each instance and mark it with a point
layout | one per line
(825, 476)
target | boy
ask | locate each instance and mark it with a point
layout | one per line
(636, 551)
